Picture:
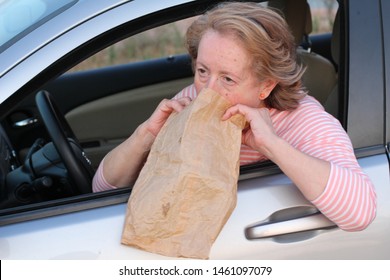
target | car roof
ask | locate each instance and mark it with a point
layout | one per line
(38, 33)
(54, 23)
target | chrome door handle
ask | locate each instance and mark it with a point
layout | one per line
(290, 220)
(25, 122)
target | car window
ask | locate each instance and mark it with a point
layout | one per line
(323, 14)
(162, 41)
(20, 17)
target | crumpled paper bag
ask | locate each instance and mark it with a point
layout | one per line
(187, 188)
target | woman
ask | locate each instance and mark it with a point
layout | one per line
(246, 53)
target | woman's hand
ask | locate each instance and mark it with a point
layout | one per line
(123, 164)
(163, 111)
(260, 132)
(310, 175)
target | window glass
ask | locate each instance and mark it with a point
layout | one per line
(19, 17)
(159, 42)
(323, 14)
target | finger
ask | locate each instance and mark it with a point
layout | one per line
(183, 102)
(234, 110)
(175, 105)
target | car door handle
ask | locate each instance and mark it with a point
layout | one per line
(290, 220)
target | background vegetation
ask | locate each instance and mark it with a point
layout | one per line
(167, 40)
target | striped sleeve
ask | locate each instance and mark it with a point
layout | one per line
(99, 183)
(349, 198)
(188, 91)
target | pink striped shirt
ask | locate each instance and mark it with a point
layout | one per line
(349, 199)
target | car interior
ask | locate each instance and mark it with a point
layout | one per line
(95, 110)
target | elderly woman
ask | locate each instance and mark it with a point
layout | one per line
(246, 53)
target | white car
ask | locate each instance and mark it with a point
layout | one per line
(47, 209)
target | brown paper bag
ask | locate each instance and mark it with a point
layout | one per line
(187, 188)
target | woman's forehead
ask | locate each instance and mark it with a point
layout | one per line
(223, 50)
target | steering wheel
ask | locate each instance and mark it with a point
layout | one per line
(79, 168)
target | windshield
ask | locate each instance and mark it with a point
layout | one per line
(19, 17)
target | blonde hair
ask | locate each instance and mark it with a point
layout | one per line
(266, 37)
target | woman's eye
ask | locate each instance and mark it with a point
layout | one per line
(228, 80)
(202, 74)
(201, 71)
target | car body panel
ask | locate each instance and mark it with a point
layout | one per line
(366, 28)
(67, 20)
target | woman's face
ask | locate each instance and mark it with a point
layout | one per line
(224, 66)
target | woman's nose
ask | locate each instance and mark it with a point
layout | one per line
(212, 83)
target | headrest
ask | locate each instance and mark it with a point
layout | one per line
(297, 15)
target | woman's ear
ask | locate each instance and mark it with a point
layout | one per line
(266, 88)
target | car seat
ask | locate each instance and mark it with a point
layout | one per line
(320, 77)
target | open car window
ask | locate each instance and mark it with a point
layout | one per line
(163, 41)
